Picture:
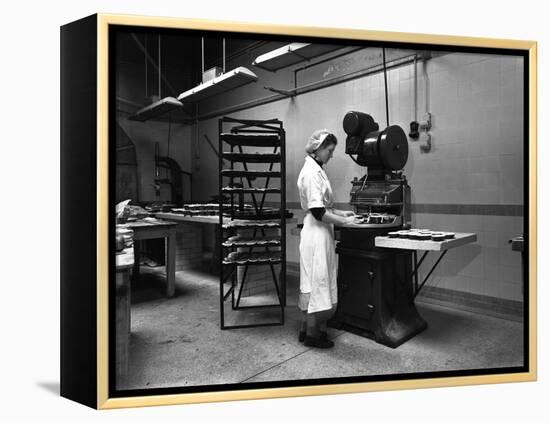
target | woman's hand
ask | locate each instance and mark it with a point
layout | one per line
(343, 213)
(337, 217)
(350, 220)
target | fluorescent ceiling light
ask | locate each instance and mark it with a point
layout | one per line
(291, 54)
(156, 109)
(228, 81)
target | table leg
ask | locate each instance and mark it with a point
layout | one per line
(171, 264)
(415, 260)
(122, 326)
(135, 273)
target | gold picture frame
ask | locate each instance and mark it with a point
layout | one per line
(98, 396)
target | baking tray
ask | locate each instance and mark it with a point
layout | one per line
(241, 224)
(241, 241)
(272, 257)
(252, 140)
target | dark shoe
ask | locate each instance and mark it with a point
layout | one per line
(302, 336)
(310, 341)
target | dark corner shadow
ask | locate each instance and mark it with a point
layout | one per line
(51, 387)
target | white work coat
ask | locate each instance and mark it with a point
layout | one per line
(318, 264)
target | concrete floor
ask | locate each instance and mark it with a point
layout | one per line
(177, 342)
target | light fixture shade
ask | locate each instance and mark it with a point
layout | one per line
(291, 54)
(228, 81)
(156, 109)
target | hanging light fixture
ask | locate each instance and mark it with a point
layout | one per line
(291, 54)
(226, 81)
(160, 107)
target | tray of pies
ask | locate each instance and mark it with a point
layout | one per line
(374, 221)
(242, 223)
(424, 239)
(244, 241)
(421, 235)
(268, 257)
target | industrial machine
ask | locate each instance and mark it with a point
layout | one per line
(375, 291)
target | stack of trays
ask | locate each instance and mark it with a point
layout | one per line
(206, 209)
(422, 235)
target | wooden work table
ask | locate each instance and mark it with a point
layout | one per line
(151, 229)
(212, 220)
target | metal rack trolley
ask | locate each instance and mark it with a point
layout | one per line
(263, 134)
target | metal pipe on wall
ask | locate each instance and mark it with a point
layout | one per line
(202, 56)
(223, 53)
(386, 86)
(415, 117)
(160, 70)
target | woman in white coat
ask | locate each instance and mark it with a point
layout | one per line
(318, 263)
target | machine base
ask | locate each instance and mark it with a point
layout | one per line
(391, 334)
(375, 296)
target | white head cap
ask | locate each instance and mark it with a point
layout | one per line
(315, 140)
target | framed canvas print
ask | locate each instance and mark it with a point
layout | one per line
(253, 211)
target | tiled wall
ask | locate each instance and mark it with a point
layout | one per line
(488, 267)
(476, 103)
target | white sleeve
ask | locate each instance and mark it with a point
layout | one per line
(314, 186)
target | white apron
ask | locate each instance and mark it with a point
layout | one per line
(318, 263)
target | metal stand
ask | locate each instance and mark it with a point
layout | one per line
(417, 266)
(259, 134)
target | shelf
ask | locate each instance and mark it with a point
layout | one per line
(230, 190)
(272, 257)
(427, 245)
(252, 140)
(251, 174)
(252, 157)
(228, 81)
(254, 236)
